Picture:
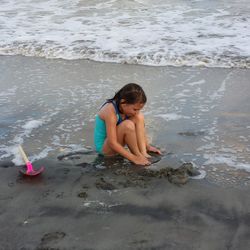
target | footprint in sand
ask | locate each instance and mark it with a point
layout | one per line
(52, 237)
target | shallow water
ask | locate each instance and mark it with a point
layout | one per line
(198, 32)
(197, 115)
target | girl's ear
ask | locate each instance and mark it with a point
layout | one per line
(122, 101)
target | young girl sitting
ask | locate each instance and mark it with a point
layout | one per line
(119, 122)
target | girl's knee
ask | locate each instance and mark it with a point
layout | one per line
(128, 125)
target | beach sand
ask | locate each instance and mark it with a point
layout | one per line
(68, 207)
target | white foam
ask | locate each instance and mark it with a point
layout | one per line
(100, 204)
(12, 149)
(172, 116)
(17, 160)
(180, 95)
(228, 159)
(202, 175)
(41, 155)
(8, 92)
(30, 125)
(220, 92)
(162, 33)
(200, 82)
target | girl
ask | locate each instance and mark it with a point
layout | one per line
(119, 122)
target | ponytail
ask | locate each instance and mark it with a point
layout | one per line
(131, 93)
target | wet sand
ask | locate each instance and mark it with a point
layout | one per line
(67, 208)
(76, 204)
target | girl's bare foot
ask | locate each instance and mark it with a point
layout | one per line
(146, 155)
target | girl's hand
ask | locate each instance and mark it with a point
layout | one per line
(141, 160)
(154, 150)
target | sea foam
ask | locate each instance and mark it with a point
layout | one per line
(154, 33)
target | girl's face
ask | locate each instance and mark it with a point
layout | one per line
(131, 109)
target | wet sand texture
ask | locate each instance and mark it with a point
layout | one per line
(74, 207)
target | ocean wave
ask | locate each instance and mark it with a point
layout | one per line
(156, 33)
(142, 58)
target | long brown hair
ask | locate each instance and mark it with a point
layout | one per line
(131, 93)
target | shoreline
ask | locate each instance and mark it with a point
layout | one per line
(201, 66)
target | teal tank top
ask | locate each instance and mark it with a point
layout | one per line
(100, 133)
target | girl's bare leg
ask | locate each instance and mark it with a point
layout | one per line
(126, 135)
(141, 133)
